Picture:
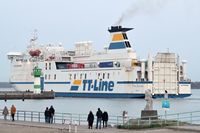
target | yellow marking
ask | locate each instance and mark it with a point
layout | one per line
(77, 82)
(134, 63)
(117, 37)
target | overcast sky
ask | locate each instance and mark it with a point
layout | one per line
(159, 25)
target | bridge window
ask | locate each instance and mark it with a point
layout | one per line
(74, 76)
(108, 76)
(99, 74)
(45, 66)
(103, 75)
(49, 66)
(54, 76)
(49, 76)
(80, 76)
(85, 76)
(62, 65)
(45, 77)
(70, 76)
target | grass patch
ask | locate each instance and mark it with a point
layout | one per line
(145, 124)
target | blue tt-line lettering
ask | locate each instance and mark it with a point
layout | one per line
(96, 85)
(84, 84)
(110, 86)
(89, 84)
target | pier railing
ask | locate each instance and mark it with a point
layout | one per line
(81, 119)
(177, 119)
(59, 118)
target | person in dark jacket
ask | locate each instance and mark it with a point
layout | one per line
(5, 112)
(90, 120)
(52, 112)
(105, 118)
(46, 115)
(99, 118)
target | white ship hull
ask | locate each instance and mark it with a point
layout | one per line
(114, 73)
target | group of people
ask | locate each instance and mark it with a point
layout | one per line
(49, 114)
(12, 112)
(101, 116)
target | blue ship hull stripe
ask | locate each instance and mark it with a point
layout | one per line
(44, 83)
(144, 82)
(21, 82)
(114, 95)
(118, 82)
(98, 95)
(184, 82)
(57, 82)
(134, 82)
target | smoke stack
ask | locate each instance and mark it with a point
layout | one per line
(118, 29)
(119, 39)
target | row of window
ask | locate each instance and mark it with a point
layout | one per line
(46, 66)
(48, 77)
(79, 76)
(84, 76)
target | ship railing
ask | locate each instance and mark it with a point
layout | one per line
(129, 121)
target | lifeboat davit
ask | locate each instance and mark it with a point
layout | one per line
(35, 53)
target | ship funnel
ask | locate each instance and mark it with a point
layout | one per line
(118, 29)
(119, 39)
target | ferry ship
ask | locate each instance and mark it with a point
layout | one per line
(115, 72)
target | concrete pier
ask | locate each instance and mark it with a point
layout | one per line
(7, 95)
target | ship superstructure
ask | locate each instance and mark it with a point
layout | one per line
(115, 72)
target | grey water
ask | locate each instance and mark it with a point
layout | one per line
(112, 106)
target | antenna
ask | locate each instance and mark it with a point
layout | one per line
(35, 34)
(34, 38)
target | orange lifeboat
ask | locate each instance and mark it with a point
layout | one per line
(35, 53)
